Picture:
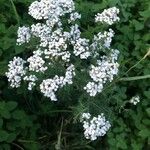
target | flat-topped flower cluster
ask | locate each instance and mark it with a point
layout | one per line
(60, 44)
(94, 127)
(108, 16)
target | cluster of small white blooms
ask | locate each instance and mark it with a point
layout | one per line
(38, 52)
(36, 63)
(74, 33)
(57, 45)
(81, 48)
(93, 88)
(39, 10)
(23, 35)
(108, 16)
(114, 55)
(41, 31)
(102, 40)
(65, 56)
(45, 9)
(32, 79)
(49, 86)
(16, 71)
(105, 71)
(58, 41)
(85, 116)
(80, 45)
(70, 73)
(94, 127)
(134, 100)
(74, 16)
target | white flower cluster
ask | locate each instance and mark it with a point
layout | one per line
(102, 40)
(81, 47)
(16, 71)
(32, 79)
(105, 71)
(108, 16)
(50, 9)
(93, 88)
(53, 44)
(23, 35)
(57, 44)
(36, 63)
(41, 31)
(74, 33)
(94, 127)
(74, 16)
(49, 86)
(134, 100)
(70, 73)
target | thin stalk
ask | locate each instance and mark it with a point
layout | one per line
(15, 11)
(18, 146)
(134, 78)
(60, 111)
(26, 141)
(147, 54)
(58, 145)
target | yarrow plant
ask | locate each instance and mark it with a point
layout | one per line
(60, 42)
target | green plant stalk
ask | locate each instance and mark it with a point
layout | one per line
(15, 11)
(147, 54)
(58, 145)
(134, 78)
(26, 141)
(18, 146)
(60, 111)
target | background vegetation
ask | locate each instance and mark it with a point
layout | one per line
(28, 121)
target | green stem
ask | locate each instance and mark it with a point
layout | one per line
(134, 78)
(18, 146)
(15, 11)
(26, 141)
(147, 54)
(60, 111)
(58, 145)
